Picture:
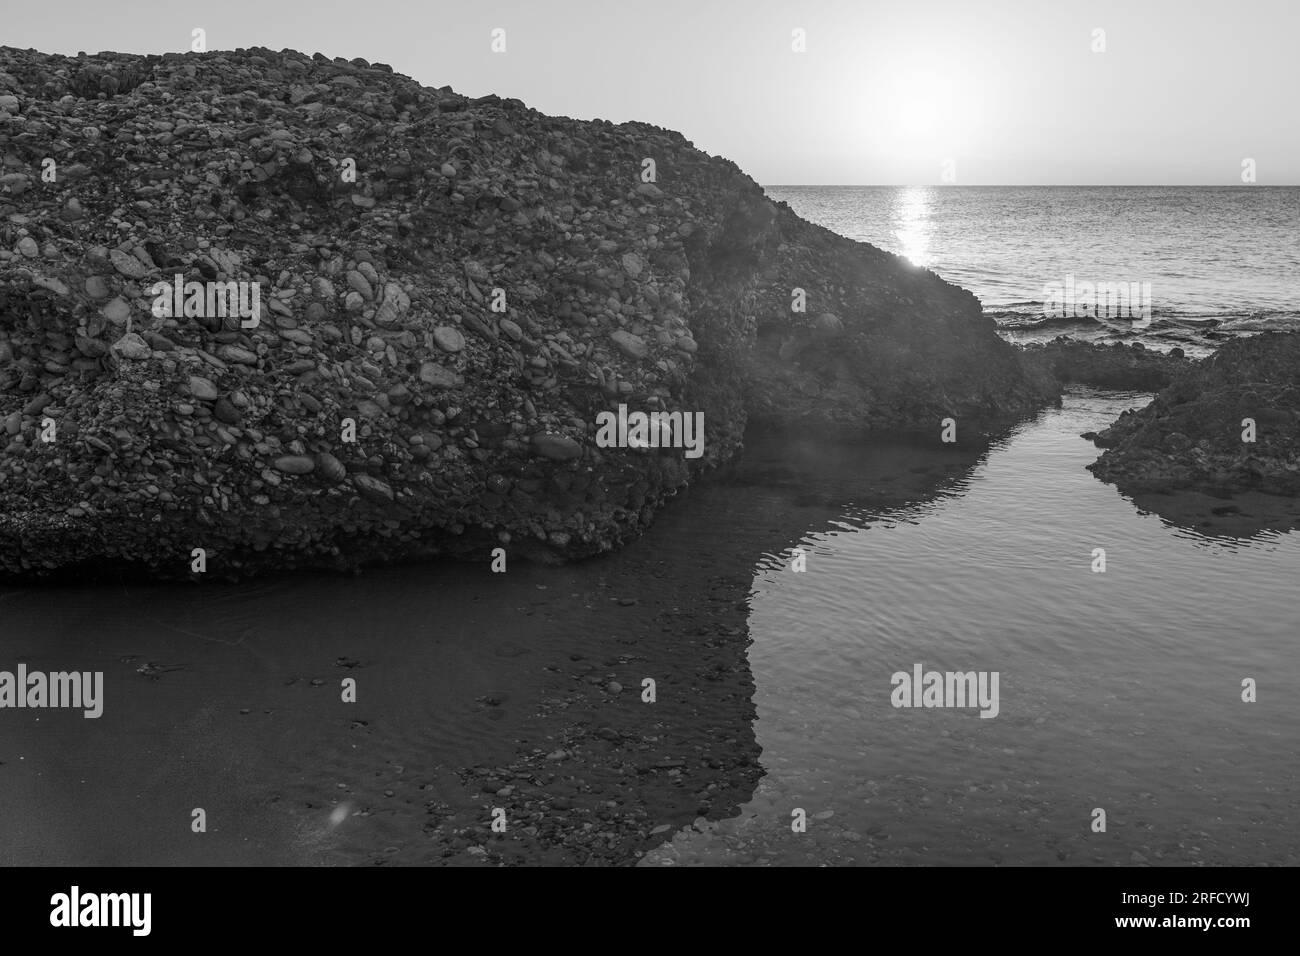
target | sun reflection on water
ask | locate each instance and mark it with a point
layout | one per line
(912, 224)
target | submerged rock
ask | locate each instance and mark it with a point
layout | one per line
(436, 335)
(1230, 423)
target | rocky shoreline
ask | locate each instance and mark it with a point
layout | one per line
(1227, 425)
(464, 282)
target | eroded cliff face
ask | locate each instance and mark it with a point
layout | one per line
(451, 291)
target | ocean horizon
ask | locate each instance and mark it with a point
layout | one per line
(1007, 243)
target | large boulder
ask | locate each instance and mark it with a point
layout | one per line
(439, 281)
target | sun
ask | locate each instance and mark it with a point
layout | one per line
(921, 103)
(920, 117)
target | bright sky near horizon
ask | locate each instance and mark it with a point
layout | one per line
(1002, 92)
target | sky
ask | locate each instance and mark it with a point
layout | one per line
(908, 92)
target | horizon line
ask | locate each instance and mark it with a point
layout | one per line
(1040, 185)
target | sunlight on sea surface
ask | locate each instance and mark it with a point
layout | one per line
(1007, 244)
(913, 210)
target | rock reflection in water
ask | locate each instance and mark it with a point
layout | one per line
(1118, 690)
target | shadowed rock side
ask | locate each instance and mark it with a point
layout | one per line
(1116, 366)
(1192, 436)
(473, 427)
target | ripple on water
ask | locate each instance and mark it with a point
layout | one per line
(1118, 690)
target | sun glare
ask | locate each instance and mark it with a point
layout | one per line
(920, 105)
(911, 216)
(919, 117)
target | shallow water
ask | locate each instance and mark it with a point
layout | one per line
(1118, 690)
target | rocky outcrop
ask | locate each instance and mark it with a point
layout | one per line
(1116, 366)
(450, 291)
(1229, 424)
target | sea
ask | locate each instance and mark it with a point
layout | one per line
(1211, 262)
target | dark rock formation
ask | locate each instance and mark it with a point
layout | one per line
(1118, 366)
(473, 426)
(1191, 435)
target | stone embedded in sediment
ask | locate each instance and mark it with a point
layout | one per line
(53, 285)
(37, 404)
(632, 264)
(381, 307)
(117, 311)
(556, 447)
(633, 346)
(131, 346)
(373, 488)
(203, 389)
(431, 373)
(225, 411)
(295, 464)
(448, 339)
(240, 356)
(330, 468)
(127, 265)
